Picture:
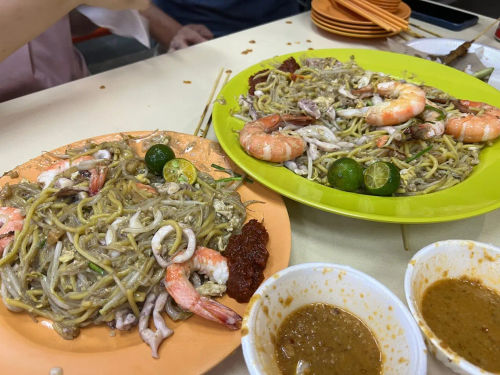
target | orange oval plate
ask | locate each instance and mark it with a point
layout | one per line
(197, 345)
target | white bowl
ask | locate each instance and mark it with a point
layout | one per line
(450, 259)
(401, 344)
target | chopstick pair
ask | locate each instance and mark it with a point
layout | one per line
(203, 132)
(374, 13)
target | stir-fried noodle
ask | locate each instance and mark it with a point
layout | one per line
(81, 259)
(336, 95)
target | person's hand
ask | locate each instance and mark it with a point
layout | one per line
(188, 35)
(119, 4)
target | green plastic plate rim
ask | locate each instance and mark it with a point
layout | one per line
(478, 194)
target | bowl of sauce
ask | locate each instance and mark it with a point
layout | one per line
(453, 291)
(321, 318)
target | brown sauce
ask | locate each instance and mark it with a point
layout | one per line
(325, 340)
(289, 65)
(465, 316)
(253, 80)
(246, 255)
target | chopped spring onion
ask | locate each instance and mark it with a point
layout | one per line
(438, 110)
(418, 154)
(42, 243)
(235, 176)
(228, 179)
(483, 73)
(96, 268)
(228, 171)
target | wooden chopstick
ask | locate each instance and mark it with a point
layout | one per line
(205, 110)
(209, 122)
(485, 30)
(413, 33)
(372, 17)
(404, 237)
(393, 19)
(424, 29)
(349, 4)
(376, 14)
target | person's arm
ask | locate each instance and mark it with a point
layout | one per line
(161, 26)
(170, 33)
(189, 35)
(24, 20)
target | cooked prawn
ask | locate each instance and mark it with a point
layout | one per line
(433, 125)
(147, 188)
(381, 141)
(97, 173)
(409, 102)
(97, 179)
(260, 141)
(481, 125)
(208, 262)
(11, 220)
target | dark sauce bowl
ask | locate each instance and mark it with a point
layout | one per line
(443, 260)
(398, 337)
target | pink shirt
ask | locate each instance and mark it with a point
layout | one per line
(48, 60)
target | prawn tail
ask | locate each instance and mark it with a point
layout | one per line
(11, 220)
(97, 179)
(217, 312)
(147, 188)
(4, 242)
(298, 120)
(268, 123)
(381, 141)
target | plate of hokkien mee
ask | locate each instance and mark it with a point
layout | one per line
(132, 253)
(367, 134)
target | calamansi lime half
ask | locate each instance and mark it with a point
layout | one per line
(180, 171)
(381, 178)
(156, 157)
(345, 174)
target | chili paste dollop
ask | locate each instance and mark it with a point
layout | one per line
(247, 256)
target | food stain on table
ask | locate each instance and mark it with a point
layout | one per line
(247, 51)
(313, 339)
(465, 317)
(187, 82)
(251, 41)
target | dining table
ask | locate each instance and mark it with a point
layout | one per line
(170, 92)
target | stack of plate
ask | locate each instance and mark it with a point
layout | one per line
(389, 5)
(334, 18)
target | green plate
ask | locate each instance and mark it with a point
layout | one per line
(478, 194)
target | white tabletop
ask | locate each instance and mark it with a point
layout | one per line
(152, 94)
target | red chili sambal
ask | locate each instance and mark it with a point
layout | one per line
(246, 255)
